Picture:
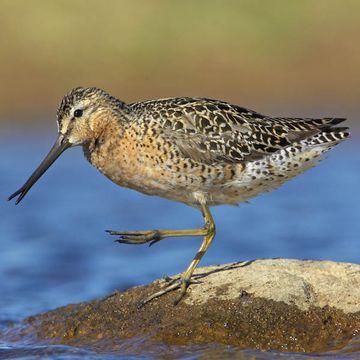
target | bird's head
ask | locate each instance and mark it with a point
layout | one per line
(82, 116)
(84, 112)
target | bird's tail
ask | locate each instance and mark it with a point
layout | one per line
(329, 134)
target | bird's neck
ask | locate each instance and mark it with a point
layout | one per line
(105, 129)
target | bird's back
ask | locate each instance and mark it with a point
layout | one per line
(216, 131)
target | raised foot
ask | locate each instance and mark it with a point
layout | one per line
(179, 283)
(137, 237)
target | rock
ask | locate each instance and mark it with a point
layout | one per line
(286, 305)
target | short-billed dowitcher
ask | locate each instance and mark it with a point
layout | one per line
(198, 151)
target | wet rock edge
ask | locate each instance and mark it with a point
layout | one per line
(245, 322)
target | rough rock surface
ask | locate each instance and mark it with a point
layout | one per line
(287, 305)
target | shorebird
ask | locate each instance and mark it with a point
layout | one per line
(197, 151)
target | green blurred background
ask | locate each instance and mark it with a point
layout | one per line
(280, 57)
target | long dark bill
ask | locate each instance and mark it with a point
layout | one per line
(59, 147)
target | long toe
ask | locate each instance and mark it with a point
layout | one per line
(159, 293)
(133, 239)
(136, 237)
(173, 284)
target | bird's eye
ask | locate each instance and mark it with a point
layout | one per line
(78, 113)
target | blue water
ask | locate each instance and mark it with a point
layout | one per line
(54, 251)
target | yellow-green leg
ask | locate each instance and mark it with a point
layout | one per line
(152, 236)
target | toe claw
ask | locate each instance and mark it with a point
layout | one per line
(177, 300)
(153, 242)
(121, 241)
(142, 304)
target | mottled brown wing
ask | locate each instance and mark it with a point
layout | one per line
(210, 131)
(214, 131)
